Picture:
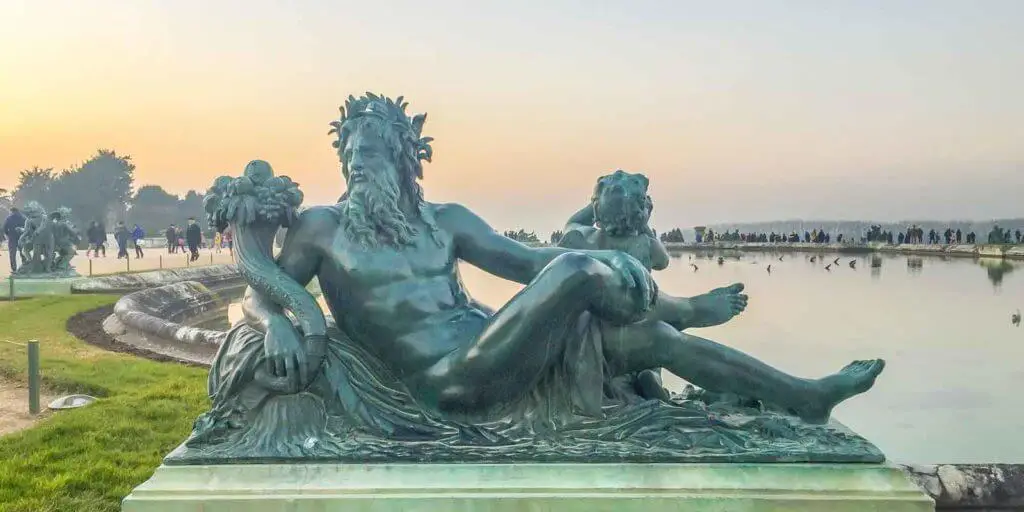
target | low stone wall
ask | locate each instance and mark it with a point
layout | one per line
(215, 277)
(973, 487)
(157, 320)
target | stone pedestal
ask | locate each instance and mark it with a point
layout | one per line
(34, 286)
(528, 487)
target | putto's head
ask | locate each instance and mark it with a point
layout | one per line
(34, 210)
(621, 204)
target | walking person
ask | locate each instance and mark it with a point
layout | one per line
(137, 235)
(97, 237)
(13, 225)
(218, 243)
(121, 236)
(194, 236)
(180, 236)
(229, 240)
(172, 239)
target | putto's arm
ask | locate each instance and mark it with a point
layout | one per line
(581, 219)
(659, 254)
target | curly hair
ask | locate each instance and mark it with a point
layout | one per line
(401, 133)
(621, 204)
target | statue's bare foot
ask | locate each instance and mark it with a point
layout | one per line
(854, 379)
(718, 306)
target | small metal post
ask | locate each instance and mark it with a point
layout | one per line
(128, 263)
(211, 257)
(161, 261)
(90, 267)
(33, 376)
(10, 287)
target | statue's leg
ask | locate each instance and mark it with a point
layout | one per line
(712, 308)
(522, 339)
(716, 367)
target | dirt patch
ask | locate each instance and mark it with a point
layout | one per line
(88, 327)
(14, 414)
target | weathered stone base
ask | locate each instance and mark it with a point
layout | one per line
(34, 286)
(533, 487)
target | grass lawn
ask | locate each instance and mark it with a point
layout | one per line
(88, 459)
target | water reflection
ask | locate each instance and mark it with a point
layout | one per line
(876, 266)
(914, 264)
(996, 270)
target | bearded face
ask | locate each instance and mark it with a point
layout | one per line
(374, 214)
(622, 206)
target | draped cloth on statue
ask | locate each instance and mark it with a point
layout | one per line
(362, 393)
(357, 410)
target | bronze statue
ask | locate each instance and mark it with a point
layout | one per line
(47, 243)
(414, 370)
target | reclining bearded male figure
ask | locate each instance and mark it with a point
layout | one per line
(620, 207)
(387, 263)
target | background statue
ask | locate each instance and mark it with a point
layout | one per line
(36, 242)
(66, 240)
(47, 243)
(995, 236)
(411, 369)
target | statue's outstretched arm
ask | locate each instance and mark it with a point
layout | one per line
(478, 244)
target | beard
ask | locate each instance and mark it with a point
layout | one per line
(373, 216)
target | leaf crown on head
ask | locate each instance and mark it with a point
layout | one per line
(392, 113)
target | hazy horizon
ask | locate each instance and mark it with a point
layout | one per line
(737, 111)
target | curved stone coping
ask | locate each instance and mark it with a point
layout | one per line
(971, 486)
(1015, 252)
(163, 312)
(212, 276)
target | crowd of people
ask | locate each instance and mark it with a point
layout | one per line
(816, 236)
(913, 235)
(192, 237)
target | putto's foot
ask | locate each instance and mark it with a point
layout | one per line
(719, 305)
(854, 379)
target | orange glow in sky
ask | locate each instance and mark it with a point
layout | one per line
(735, 110)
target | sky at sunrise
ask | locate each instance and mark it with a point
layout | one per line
(736, 110)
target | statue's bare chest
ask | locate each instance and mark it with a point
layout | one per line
(637, 246)
(382, 265)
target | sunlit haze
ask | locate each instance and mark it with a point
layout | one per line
(737, 111)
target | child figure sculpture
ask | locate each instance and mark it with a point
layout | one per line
(617, 219)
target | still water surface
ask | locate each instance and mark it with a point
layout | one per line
(953, 388)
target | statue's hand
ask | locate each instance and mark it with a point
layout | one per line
(638, 282)
(285, 357)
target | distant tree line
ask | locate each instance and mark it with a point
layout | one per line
(102, 189)
(673, 236)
